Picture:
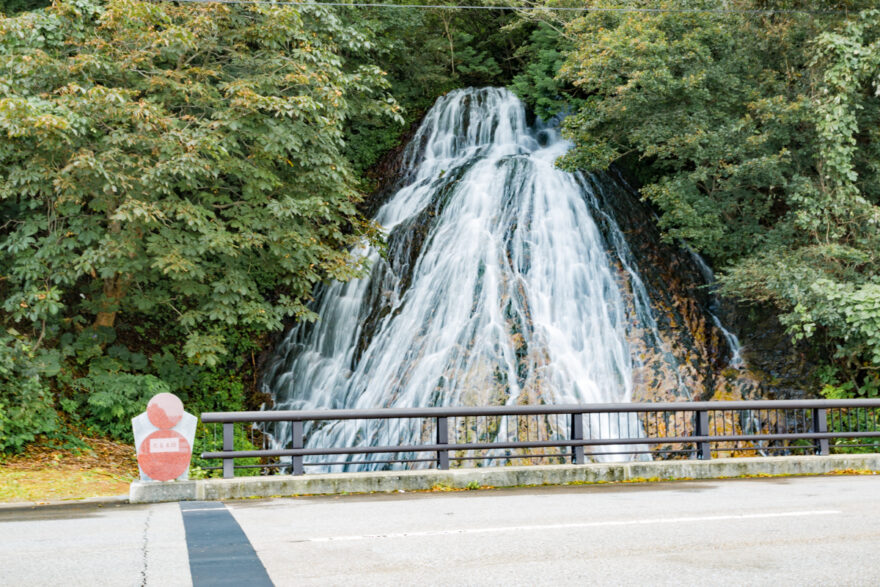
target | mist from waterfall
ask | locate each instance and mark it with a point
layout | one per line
(497, 286)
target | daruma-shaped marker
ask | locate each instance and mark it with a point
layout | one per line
(165, 410)
(163, 449)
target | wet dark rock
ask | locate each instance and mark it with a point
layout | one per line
(785, 370)
(386, 176)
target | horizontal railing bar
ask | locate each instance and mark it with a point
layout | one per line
(451, 458)
(280, 465)
(786, 447)
(417, 448)
(366, 462)
(393, 413)
(642, 452)
(548, 455)
(289, 452)
(540, 455)
(476, 458)
(790, 436)
(305, 452)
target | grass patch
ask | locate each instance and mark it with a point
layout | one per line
(49, 473)
(52, 485)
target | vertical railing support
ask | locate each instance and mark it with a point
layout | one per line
(228, 446)
(577, 433)
(296, 433)
(820, 424)
(443, 438)
(701, 428)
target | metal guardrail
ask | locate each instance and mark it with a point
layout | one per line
(562, 432)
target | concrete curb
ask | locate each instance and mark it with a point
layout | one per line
(388, 481)
(27, 505)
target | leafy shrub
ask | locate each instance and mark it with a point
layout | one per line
(25, 400)
(108, 401)
(207, 440)
(867, 387)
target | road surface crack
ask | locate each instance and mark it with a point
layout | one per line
(144, 548)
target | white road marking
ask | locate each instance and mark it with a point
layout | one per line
(683, 520)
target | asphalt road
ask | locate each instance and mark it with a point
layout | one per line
(792, 531)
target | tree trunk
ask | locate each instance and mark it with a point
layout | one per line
(446, 22)
(114, 290)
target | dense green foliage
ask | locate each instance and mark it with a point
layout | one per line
(425, 54)
(170, 178)
(539, 84)
(761, 154)
(26, 406)
(175, 179)
(10, 7)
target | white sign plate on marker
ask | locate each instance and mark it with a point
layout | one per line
(164, 445)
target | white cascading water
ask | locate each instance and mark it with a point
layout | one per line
(497, 286)
(732, 340)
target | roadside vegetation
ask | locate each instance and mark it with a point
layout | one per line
(175, 178)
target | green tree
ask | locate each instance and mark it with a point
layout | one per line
(11, 7)
(538, 85)
(178, 159)
(762, 154)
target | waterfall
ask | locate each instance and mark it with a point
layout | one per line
(497, 285)
(730, 338)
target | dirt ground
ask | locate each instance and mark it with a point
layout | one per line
(43, 474)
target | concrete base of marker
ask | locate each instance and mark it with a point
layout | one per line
(388, 481)
(161, 491)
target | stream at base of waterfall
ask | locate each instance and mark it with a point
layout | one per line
(505, 281)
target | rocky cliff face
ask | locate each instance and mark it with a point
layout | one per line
(691, 316)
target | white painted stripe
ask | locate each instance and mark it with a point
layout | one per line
(610, 523)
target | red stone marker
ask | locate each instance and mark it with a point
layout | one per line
(164, 454)
(165, 410)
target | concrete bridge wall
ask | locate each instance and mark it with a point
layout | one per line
(431, 479)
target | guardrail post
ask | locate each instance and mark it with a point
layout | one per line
(701, 428)
(577, 433)
(820, 424)
(228, 446)
(443, 438)
(296, 432)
